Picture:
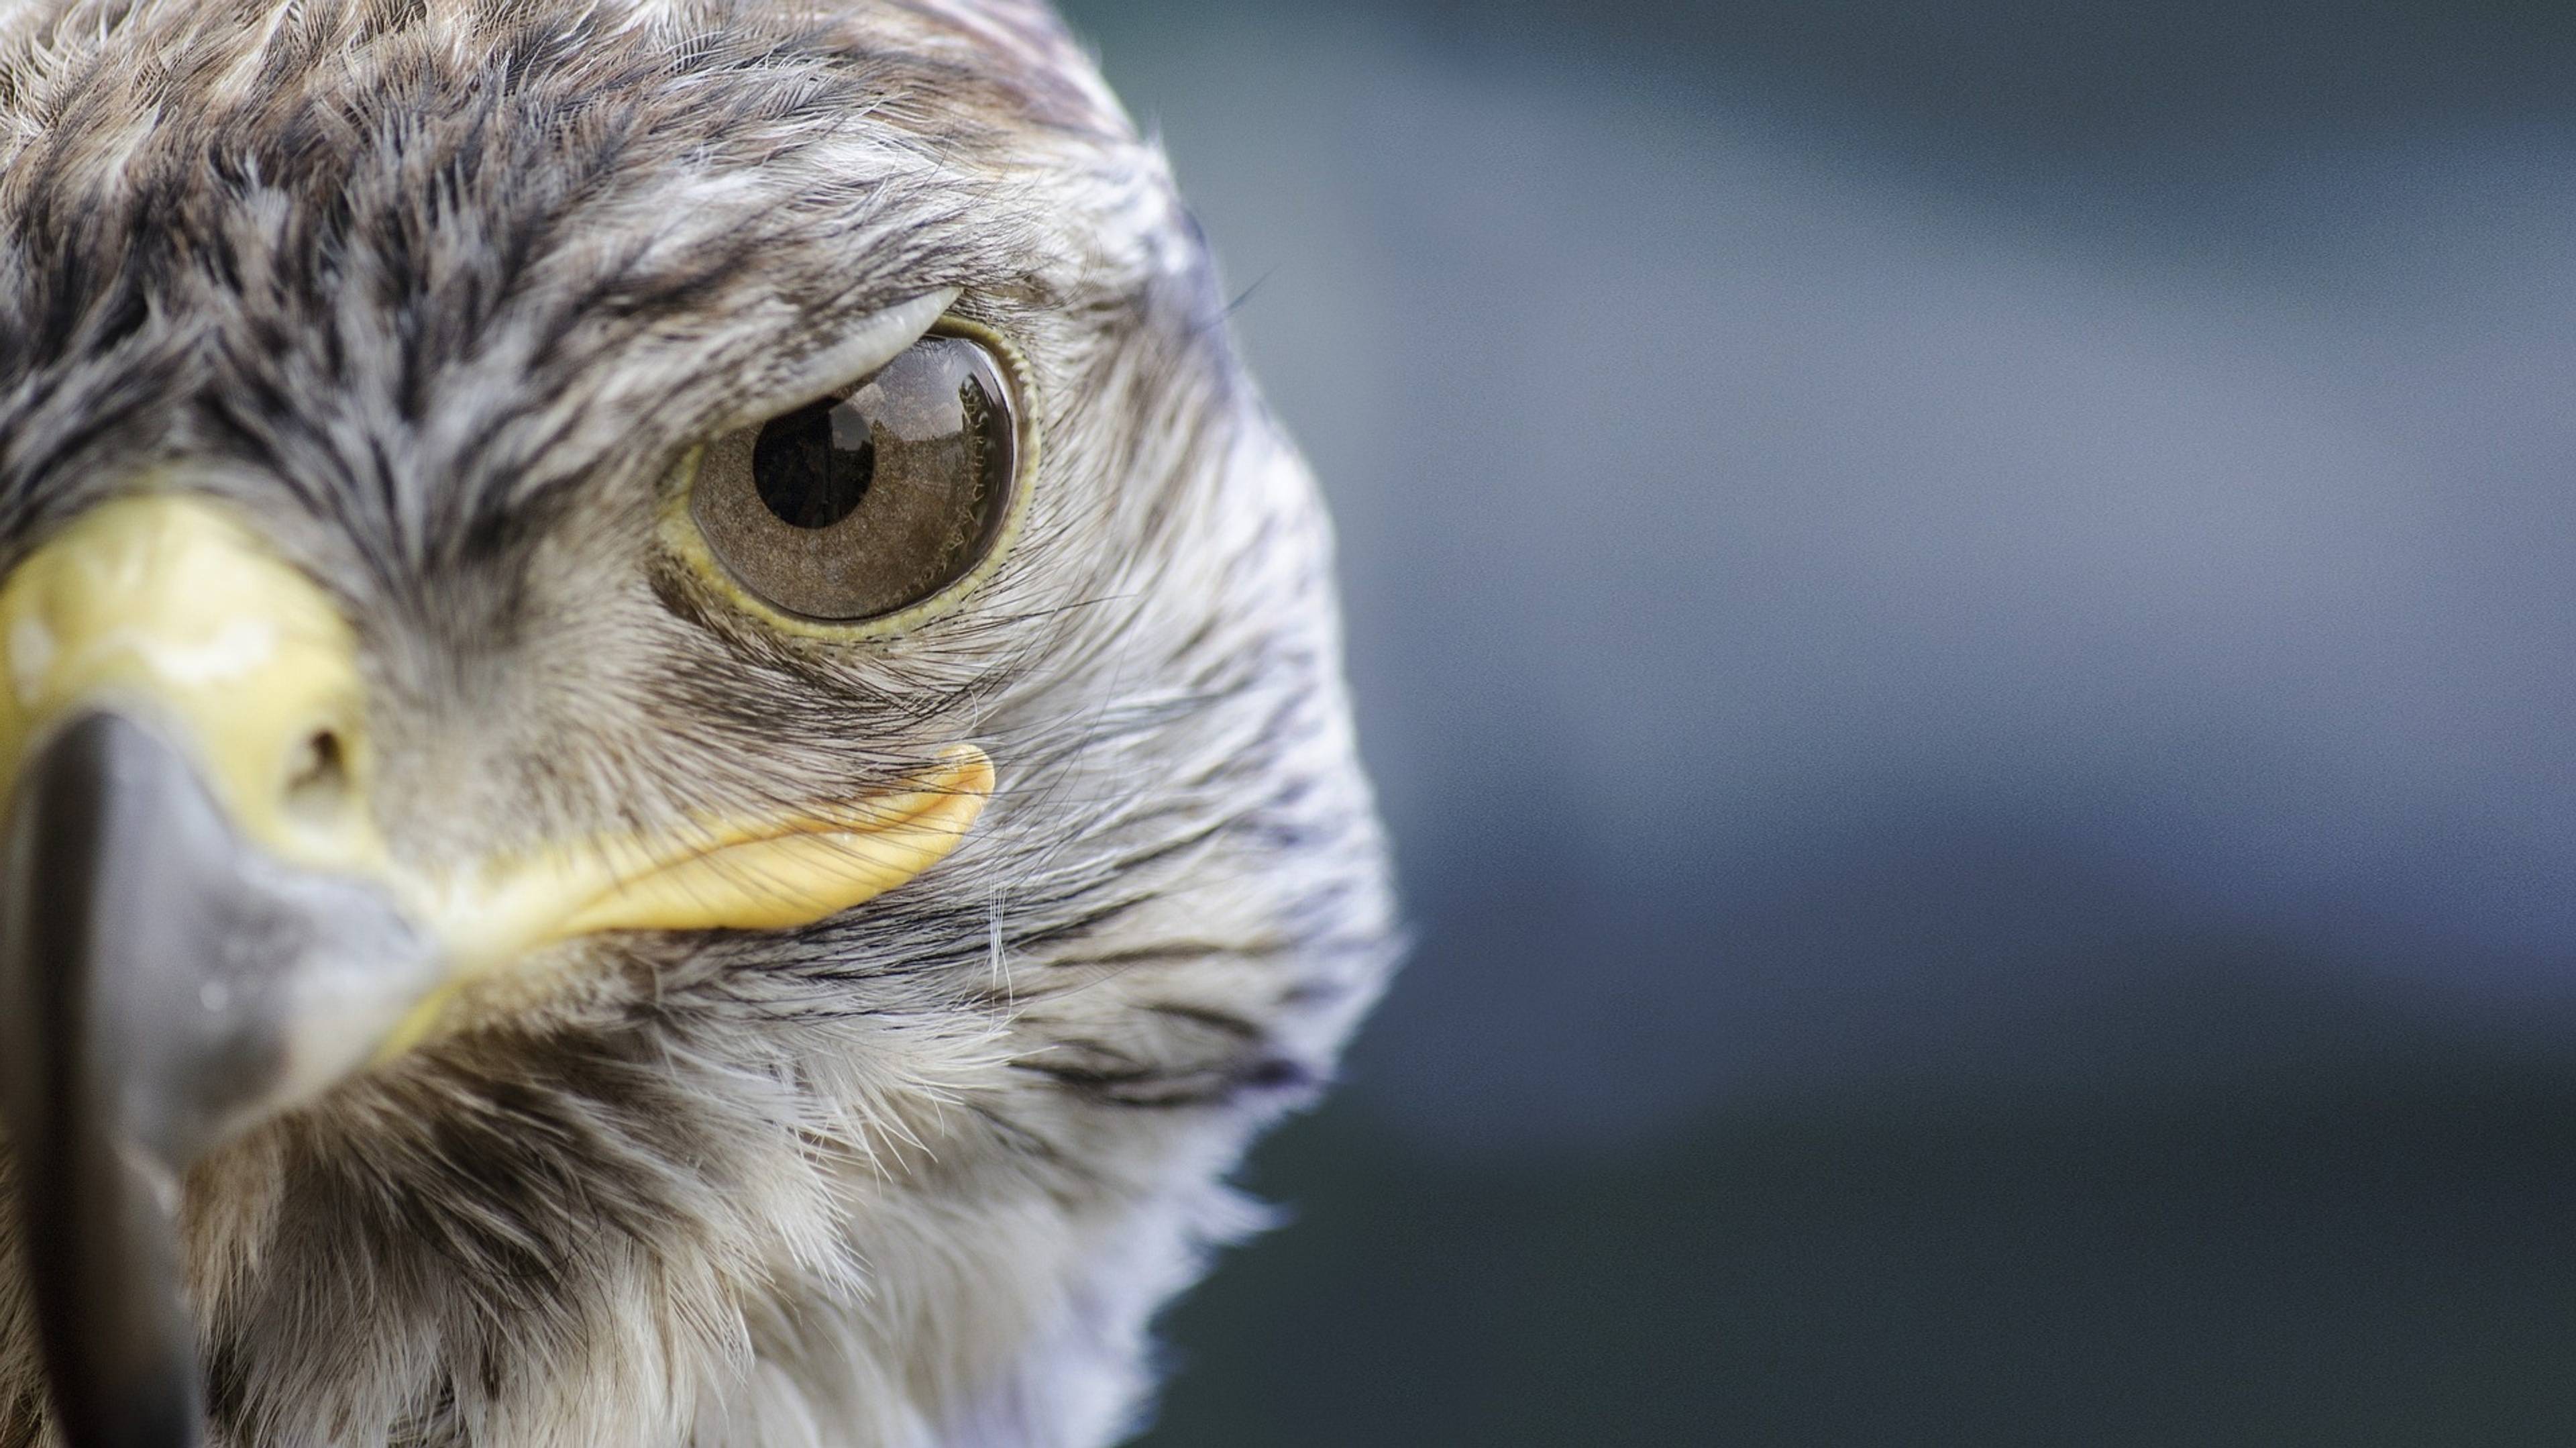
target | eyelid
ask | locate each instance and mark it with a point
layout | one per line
(882, 339)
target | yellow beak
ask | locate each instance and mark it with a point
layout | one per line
(164, 609)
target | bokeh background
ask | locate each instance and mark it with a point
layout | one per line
(1964, 616)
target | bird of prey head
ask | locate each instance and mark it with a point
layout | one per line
(676, 772)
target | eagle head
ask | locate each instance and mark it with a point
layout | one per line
(677, 773)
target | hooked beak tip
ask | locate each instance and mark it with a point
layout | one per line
(141, 1033)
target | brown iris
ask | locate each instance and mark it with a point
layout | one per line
(871, 501)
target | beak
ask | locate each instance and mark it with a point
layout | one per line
(201, 924)
(156, 971)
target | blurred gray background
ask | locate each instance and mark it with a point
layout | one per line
(1963, 616)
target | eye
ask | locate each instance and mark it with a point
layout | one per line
(872, 501)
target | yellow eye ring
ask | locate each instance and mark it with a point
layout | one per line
(683, 530)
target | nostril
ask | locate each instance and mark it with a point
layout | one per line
(317, 775)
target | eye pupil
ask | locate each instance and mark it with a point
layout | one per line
(813, 466)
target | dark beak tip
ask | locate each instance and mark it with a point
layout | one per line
(153, 967)
(121, 890)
